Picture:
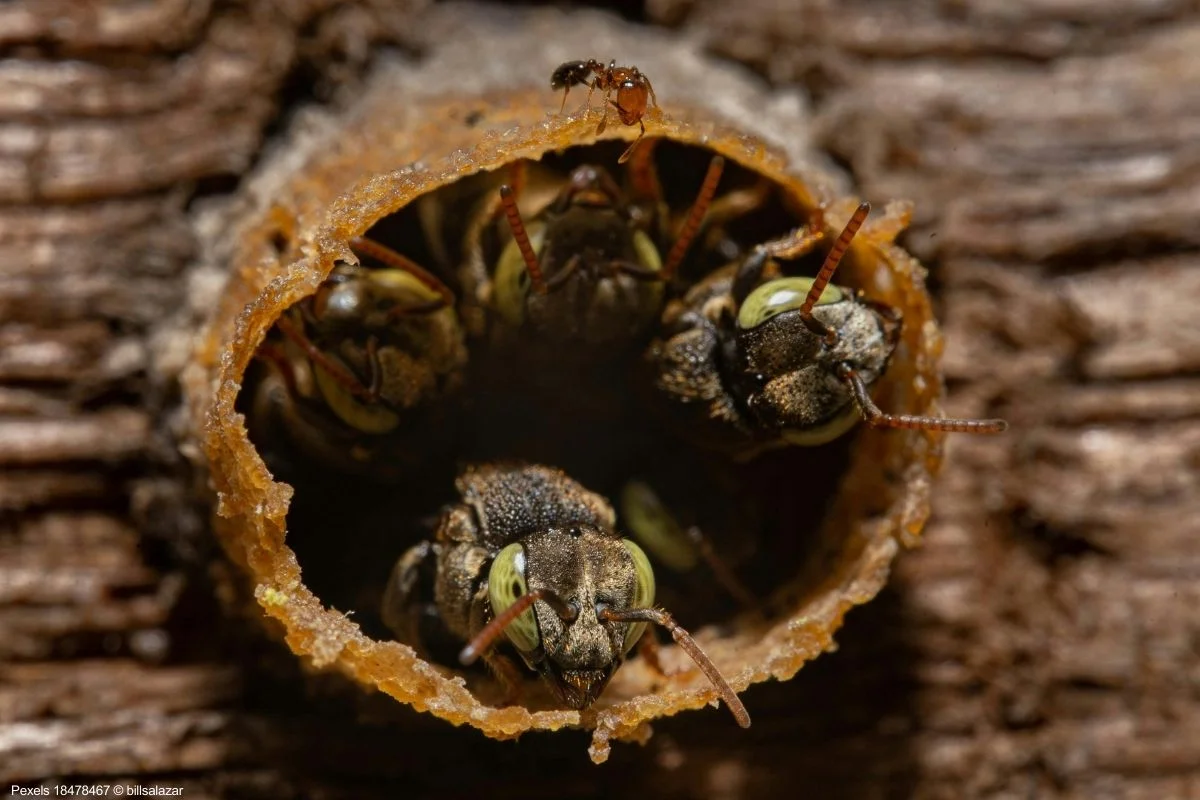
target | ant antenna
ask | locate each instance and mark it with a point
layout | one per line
(685, 641)
(832, 259)
(522, 238)
(694, 217)
(877, 419)
(490, 632)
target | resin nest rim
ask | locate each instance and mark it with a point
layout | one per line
(340, 194)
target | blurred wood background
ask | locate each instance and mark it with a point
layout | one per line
(1042, 643)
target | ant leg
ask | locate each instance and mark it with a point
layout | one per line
(343, 376)
(695, 215)
(629, 150)
(566, 91)
(604, 120)
(522, 239)
(650, 88)
(877, 419)
(832, 259)
(385, 255)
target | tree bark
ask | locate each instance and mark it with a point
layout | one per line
(1040, 643)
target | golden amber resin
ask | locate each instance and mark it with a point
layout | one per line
(415, 130)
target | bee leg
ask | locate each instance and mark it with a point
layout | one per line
(343, 376)
(508, 674)
(800, 241)
(274, 355)
(730, 206)
(402, 606)
(636, 271)
(749, 274)
(720, 570)
(375, 372)
(650, 650)
(653, 525)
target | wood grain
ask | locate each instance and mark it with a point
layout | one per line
(1041, 643)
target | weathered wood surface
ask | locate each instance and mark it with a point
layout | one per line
(1042, 642)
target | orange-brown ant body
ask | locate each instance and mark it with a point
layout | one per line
(633, 90)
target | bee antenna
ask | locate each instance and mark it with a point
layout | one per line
(876, 418)
(490, 632)
(832, 259)
(685, 641)
(695, 216)
(522, 239)
(363, 246)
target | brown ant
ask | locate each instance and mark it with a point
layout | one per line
(632, 87)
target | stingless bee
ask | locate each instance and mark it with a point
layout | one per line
(352, 361)
(751, 360)
(587, 269)
(632, 87)
(530, 558)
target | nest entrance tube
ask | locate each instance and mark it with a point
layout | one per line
(877, 481)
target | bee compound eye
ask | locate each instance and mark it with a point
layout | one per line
(506, 584)
(643, 591)
(779, 296)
